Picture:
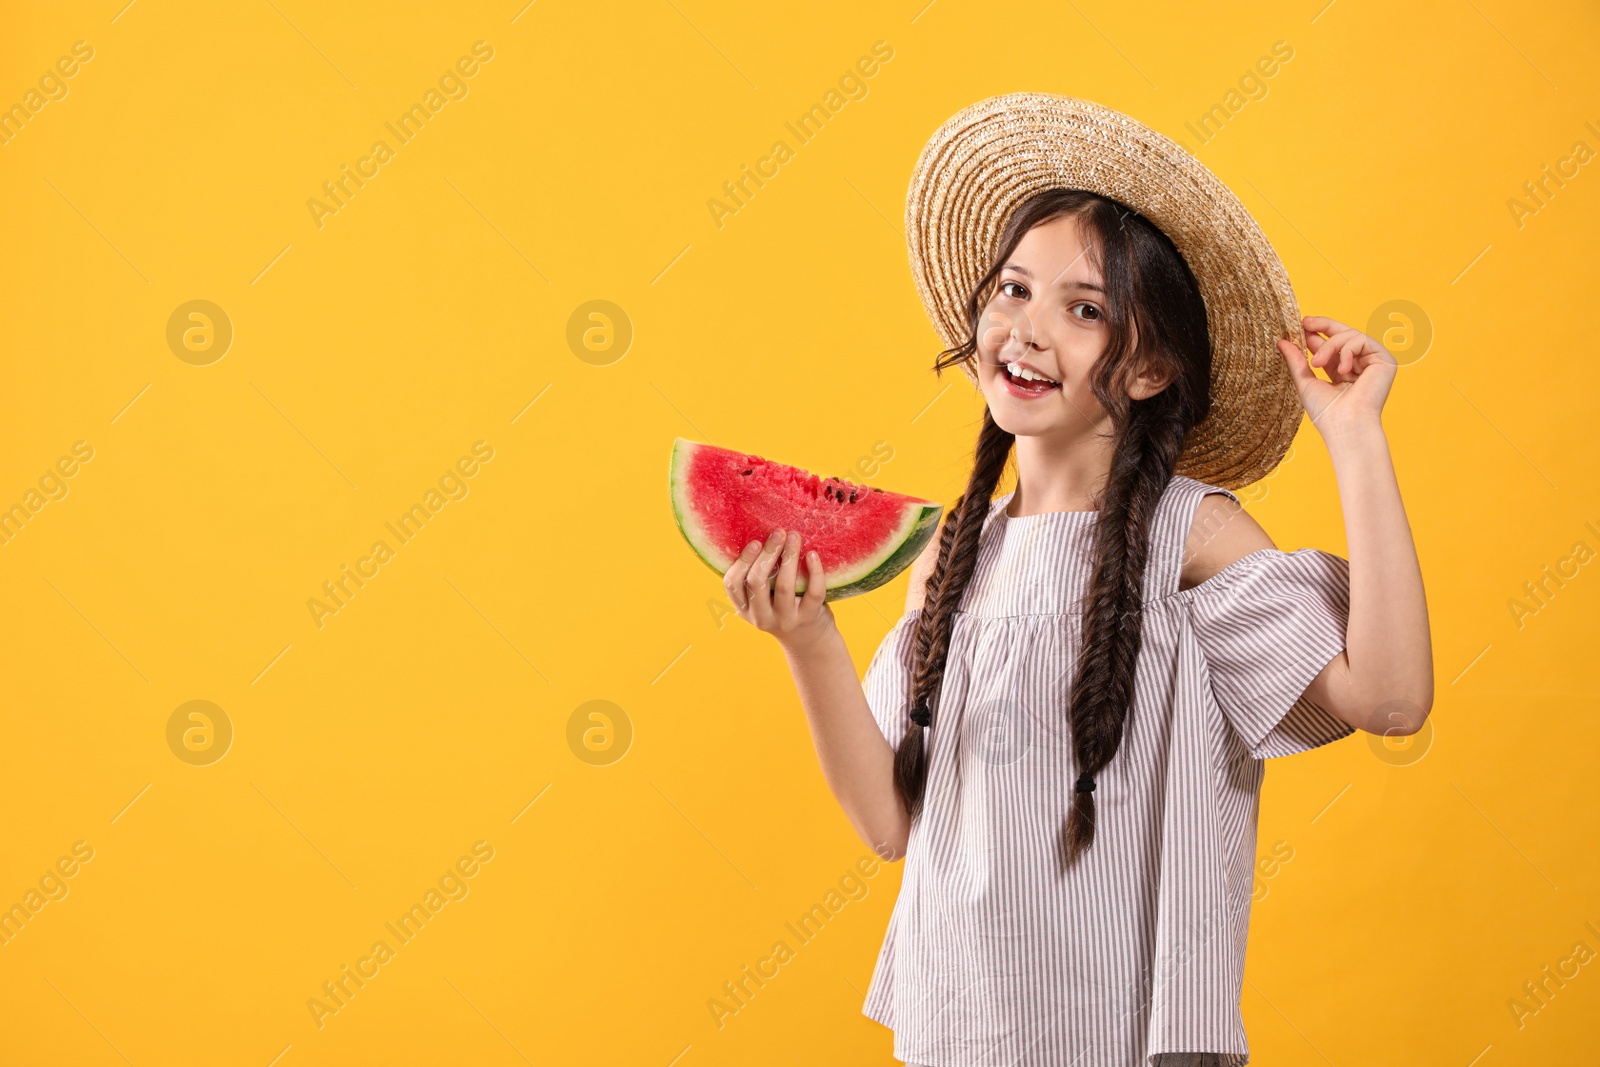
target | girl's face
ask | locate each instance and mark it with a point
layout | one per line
(1048, 312)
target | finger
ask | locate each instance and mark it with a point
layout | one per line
(1327, 349)
(733, 581)
(741, 564)
(1299, 370)
(1322, 348)
(755, 583)
(816, 588)
(1332, 349)
(783, 602)
(1322, 324)
(1328, 359)
(1352, 351)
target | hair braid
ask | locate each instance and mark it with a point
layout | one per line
(947, 581)
(1102, 690)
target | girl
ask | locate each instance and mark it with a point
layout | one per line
(1063, 735)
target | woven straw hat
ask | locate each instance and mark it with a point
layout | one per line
(990, 157)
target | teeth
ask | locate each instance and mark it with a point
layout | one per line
(1019, 371)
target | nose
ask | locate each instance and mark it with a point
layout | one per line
(1016, 333)
(1009, 331)
(1022, 333)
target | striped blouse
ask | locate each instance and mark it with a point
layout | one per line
(991, 956)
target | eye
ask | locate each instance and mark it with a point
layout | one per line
(1019, 285)
(1094, 317)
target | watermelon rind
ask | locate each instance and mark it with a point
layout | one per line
(900, 551)
(923, 525)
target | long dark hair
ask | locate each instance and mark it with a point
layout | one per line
(1150, 290)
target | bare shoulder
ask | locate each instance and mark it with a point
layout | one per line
(1222, 533)
(922, 566)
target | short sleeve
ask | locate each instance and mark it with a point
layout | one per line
(887, 680)
(1267, 625)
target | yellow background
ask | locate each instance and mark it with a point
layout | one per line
(432, 711)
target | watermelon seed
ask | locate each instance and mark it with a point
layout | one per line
(745, 472)
(852, 496)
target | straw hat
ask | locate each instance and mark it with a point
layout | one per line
(989, 157)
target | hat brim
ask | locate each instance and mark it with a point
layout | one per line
(988, 158)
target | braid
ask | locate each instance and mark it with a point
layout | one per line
(1102, 690)
(947, 581)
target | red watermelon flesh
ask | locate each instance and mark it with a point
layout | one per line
(723, 499)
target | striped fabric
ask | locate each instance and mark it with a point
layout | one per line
(994, 958)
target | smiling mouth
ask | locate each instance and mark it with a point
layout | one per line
(1033, 387)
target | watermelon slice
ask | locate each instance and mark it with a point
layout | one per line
(723, 499)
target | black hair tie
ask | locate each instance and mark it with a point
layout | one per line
(1085, 783)
(920, 715)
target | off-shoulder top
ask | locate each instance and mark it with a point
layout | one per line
(992, 956)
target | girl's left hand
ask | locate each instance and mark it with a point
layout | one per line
(1360, 372)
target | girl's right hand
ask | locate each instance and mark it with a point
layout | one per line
(773, 607)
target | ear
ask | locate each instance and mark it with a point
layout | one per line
(1148, 381)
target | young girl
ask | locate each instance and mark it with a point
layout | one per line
(1063, 735)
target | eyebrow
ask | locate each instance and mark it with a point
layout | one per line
(1026, 273)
